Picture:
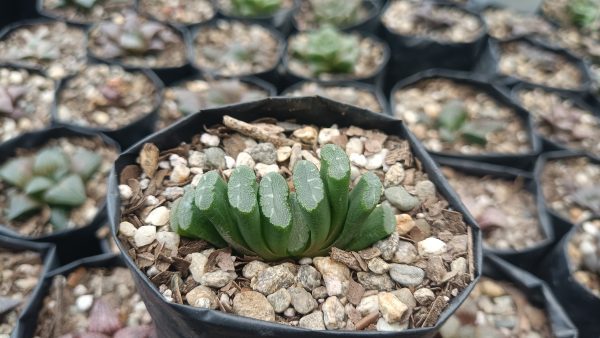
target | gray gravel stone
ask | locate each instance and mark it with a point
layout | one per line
(425, 190)
(202, 296)
(406, 253)
(313, 321)
(215, 158)
(272, 279)
(319, 292)
(217, 279)
(378, 265)
(280, 300)
(309, 277)
(400, 198)
(407, 275)
(264, 153)
(336, 276)
(388, 246)
(254, 305)
(302, 301)
(252, 269)
(373, 281)
(334, 314)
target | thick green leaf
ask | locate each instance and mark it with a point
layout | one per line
(453, 115)
(254, 8)
(173, 219)
(51, 162)
(85, 163)
(299, 237)
(380, 223)
(20, 205)
(59, 218)
(211, 199)
(242, 191)
(70, 191)
(191, 222)
(363, 199)
(313, 203)
(335, 172)
(37, 185)
(17, 171)
(275, 212)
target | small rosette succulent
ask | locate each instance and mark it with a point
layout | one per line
(274, 221)
(339, 13)
(453, 123)
(328, 50)
(49, 179)
(134, 36)
(255, 8)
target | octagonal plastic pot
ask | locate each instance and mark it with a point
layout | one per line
(75, 243)
(174, 320)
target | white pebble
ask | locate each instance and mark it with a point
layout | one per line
(144, 235)
(158, 216)
(210, 140)
(125, 192)
(431, 246)
(326, 135)
(358, 160)
(263, 169)
(84, 302)
(229, 162)
(180, 173)
(244, 158)
(354, 146)
(376, 161)
(176, 160)
(169, 239)
(151, 200)
(127, 229)
(283, 153)
(196, 180)
(196, 159)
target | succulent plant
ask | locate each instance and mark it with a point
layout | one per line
(584, 13)
(267, 219)
(453, 123)
(37, 45)
(254, 8)
(50, 179)
(338, 13)
(134, 36)
(218, 94)
(8, 101)
(328, 50)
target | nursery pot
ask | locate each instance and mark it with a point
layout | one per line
(577, 300)
(367, 25)
(126, 135)
(74, 243)
(48, 254)
(522, 160)
(525, 258)
(173, 320)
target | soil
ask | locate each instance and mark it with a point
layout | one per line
(504, 209)
(38, 224)
(173, 54)
(33, 105)
(531, 63)
(185, 12)
(55, 47)
(560, 120)
(20, 274)
(165, 257)
(370, 60)
(420, 104)
(435, 22)
(566, 184)
(210, 94)
(225, 6)
(217, 49)
(106, 97)
(94, 301)
(497, 309)
(505, 24)
(583, 252)
(101, 11)
(347, 94)
(305, 17)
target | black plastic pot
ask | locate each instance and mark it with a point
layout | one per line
(173, 320)
(488, 66)
(367, 25)
(526, 258)
(383, 102)
(538, 293)
(581, 304)
(28, 322)
(166, 74)
(521, 161)
(547, 144)
(39, 7)
(125, 135)
(561, 224)
(281, 20)
(377, 78)
(48, 255)
(412, 54)
(182, 26)
(72, 244)
(270, 75)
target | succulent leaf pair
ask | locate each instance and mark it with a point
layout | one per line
(453, 123)
(269, 220)
(338, 13)
(134, 36)
(584, 13)
(49, 178)
(254, 8)
(328, 50)
(8, 101)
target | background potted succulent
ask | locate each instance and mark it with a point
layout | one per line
(21, 290)
(52, 188)
(328, 54)
(103, 98)
(275, 13)
(25, 95)
(197, 93)
(361, 15)
(43, 44)
(179, 12)
(231, 212)
(136, 42)
(82, 12)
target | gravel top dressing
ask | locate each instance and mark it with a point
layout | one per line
(347, 94)
(77, 11)
(583, 252)
(185, 12)
(504, 24)
(402, 281)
